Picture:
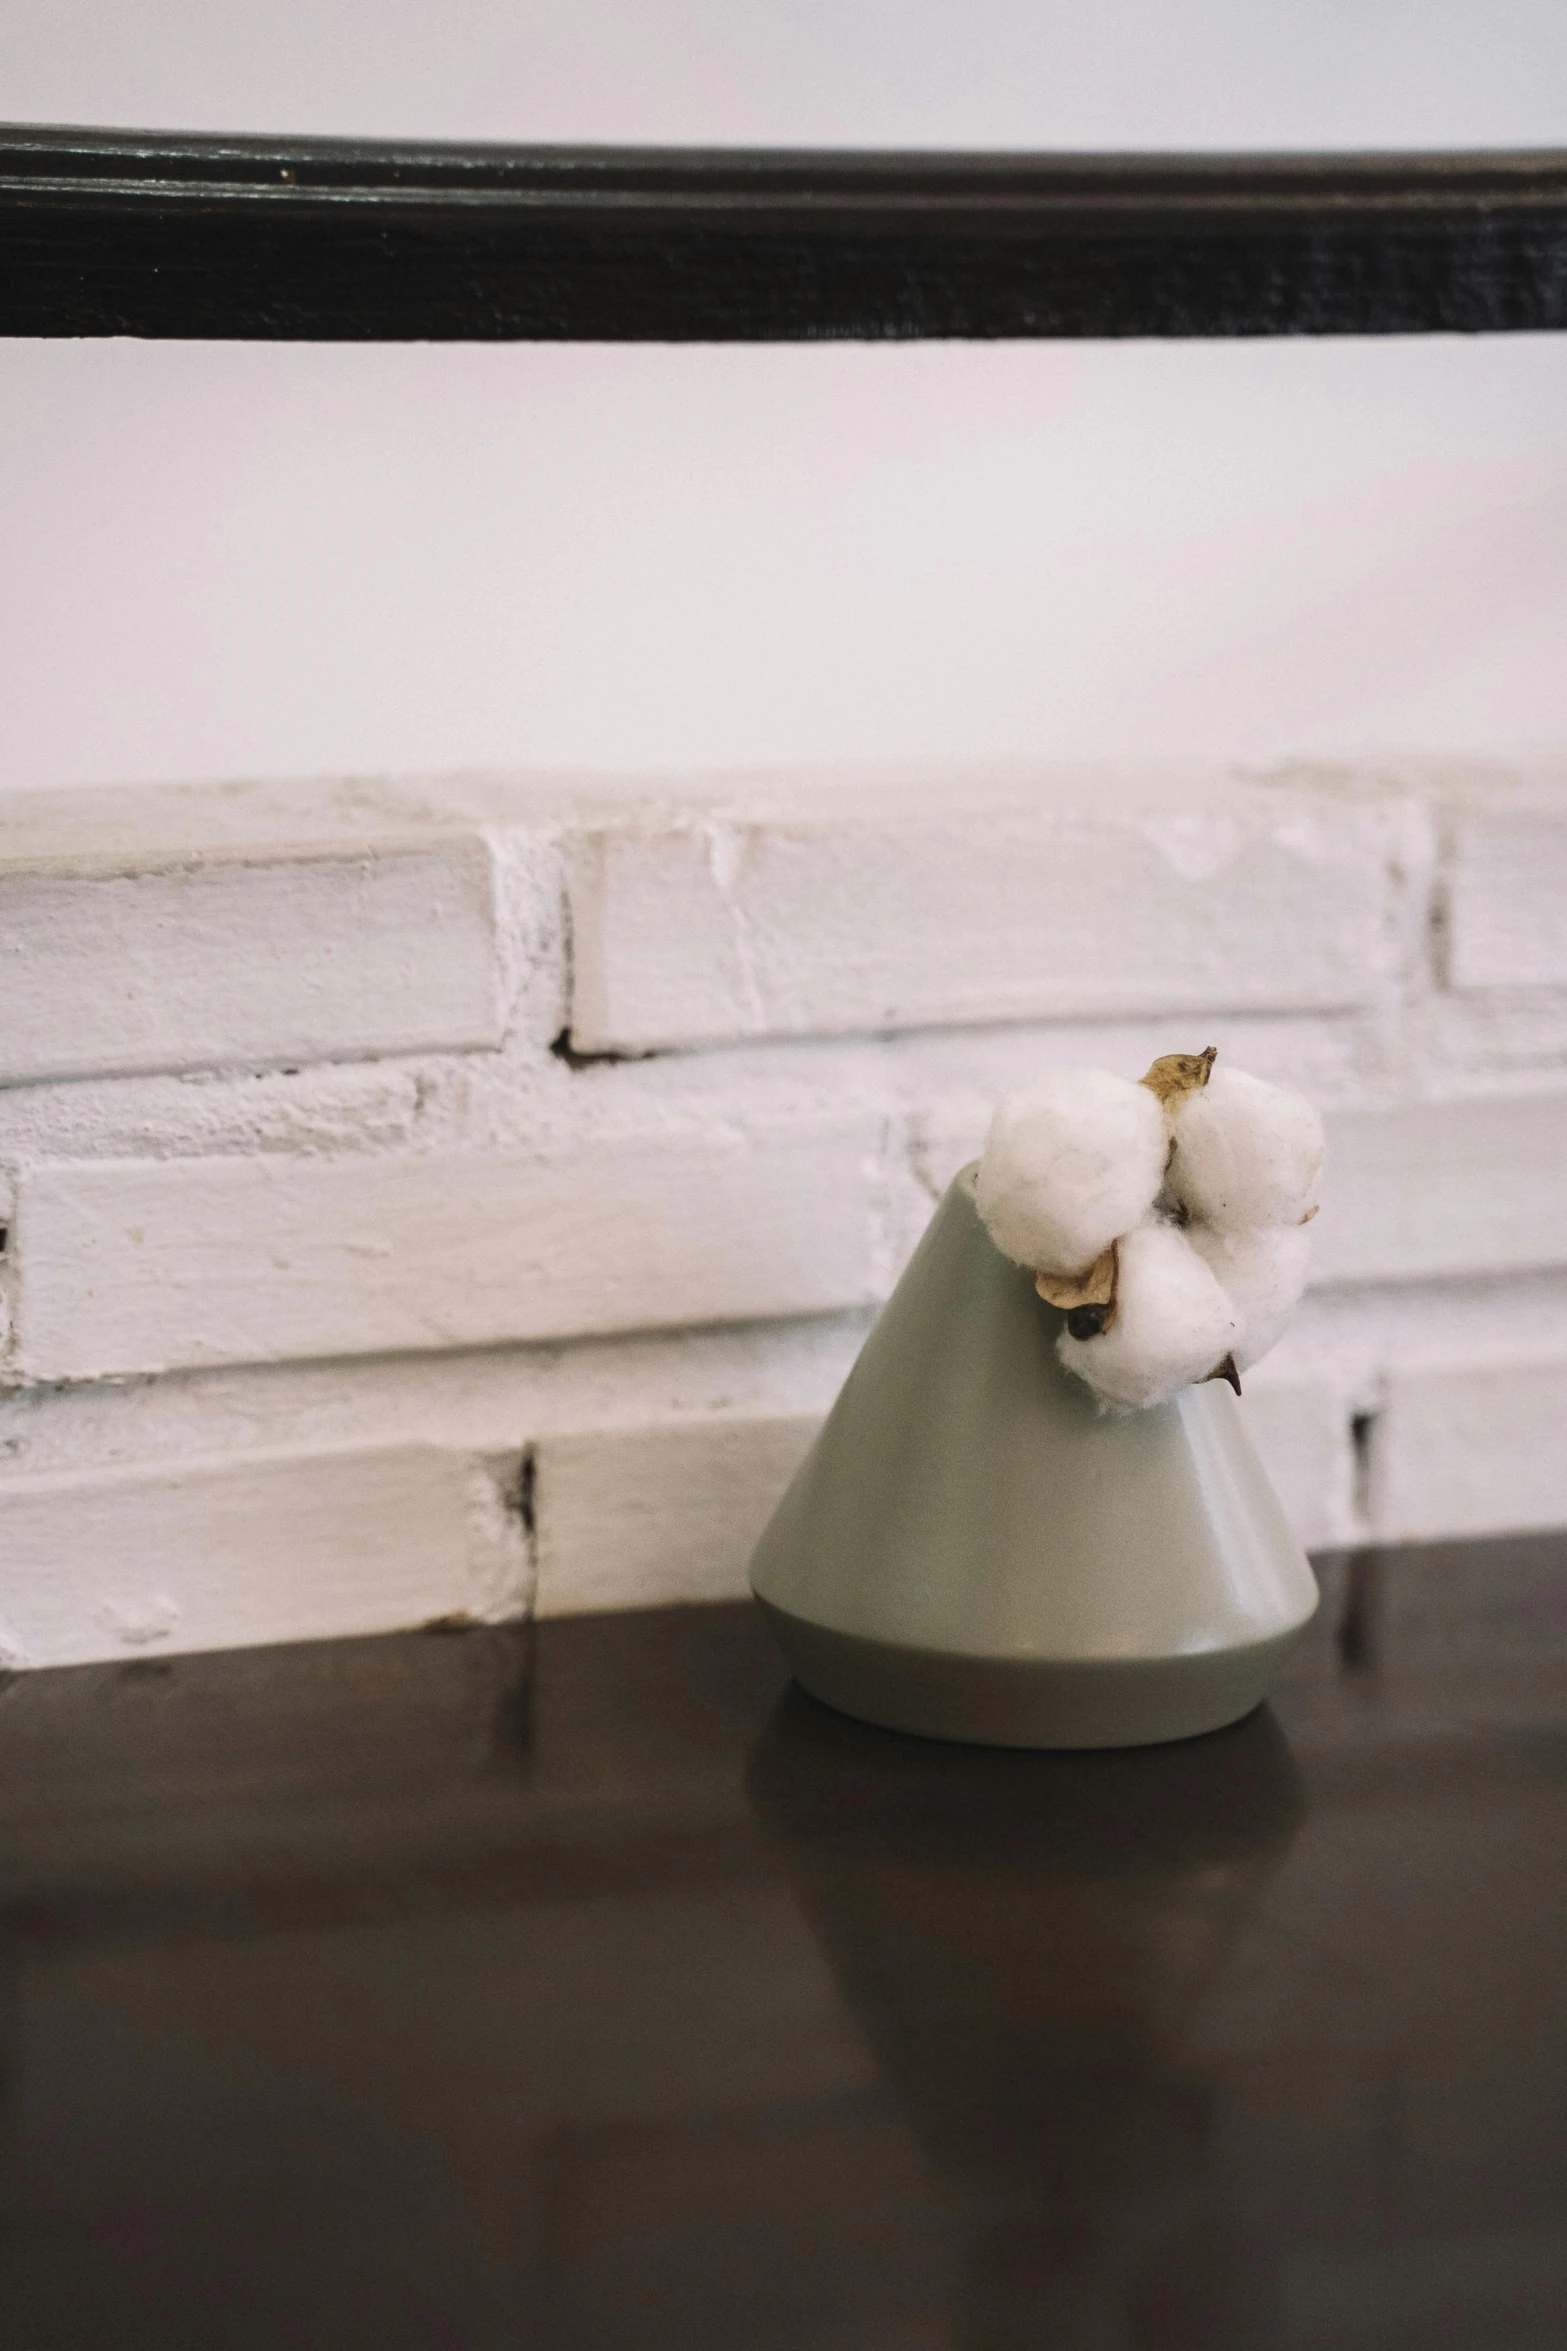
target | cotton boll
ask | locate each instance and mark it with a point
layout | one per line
(1262, 1272)
(1246, 1153)
(1070, 1165)
(1173, 1324)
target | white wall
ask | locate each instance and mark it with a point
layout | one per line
(237, 559)
(872, 73)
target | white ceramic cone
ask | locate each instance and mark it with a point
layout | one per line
(973, 1551)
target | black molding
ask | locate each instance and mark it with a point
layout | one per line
(152, 234)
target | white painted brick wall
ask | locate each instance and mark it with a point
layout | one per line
(1470, 1449)
(1117, 900)
(248, 960)
(277, 1336)
(1300, 1424)
(1506, 891)
(637, 1517)
(129, 1266)
(1434, 1190)
(247, 1549)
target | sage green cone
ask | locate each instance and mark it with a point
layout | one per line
(972, 1550)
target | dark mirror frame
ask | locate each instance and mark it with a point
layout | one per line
(109, 232)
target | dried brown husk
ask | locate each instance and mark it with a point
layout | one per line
(1095, 1289)
(1174, 1075)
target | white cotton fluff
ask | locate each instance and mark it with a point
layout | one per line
(1070, 1164)
(1173, 1324)
(1262, 1272)
(1246, 1153)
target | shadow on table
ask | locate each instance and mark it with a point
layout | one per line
(1022, 1939)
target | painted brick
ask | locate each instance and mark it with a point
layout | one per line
(1301, 1428)
(229, 960)
(1076, 906)
(636, 1518)
(148, 1265)
(230, 1553)
(1432, 1190)
(1506, 898)
(1475, 1448)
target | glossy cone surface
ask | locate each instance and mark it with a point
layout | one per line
(972, 1550)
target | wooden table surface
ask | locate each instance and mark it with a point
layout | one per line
(599, 1992)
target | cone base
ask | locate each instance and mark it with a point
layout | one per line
(1029, 1702)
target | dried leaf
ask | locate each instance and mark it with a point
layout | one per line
(1227, 1371)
